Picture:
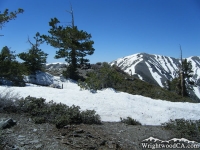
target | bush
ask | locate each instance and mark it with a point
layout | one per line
(90, 117)
(42, 112)
(107, 76)
(182, 128)
(31, 105)
(57, 113)
(7, 101)
(130, 121)
(39, 120)
(62, 121)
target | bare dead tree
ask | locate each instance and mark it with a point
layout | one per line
(182, 75)
(71, 12)
(38, 41)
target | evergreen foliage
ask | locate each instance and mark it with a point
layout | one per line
(47, 112)
(104, 77)
(10, 69)
(187, 73)
(182, 128)
(130, 121)
(7, 99)
(107, 76)
(73, 45)
(56, 113)
(35, 58)
(6, 16)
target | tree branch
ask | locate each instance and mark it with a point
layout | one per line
(71, 12)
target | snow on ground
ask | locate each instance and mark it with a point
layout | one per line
(56, 63)
(41, 78)
(197, 91)
(112, 105)
(155, 75)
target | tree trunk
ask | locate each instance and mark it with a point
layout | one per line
(182, 85)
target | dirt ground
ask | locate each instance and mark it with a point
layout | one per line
(27, 135)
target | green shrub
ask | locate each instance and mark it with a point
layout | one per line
(74, 114)
(130, 121)
(57, 108)
(62, 121)
(107, 76)
(42, 112)
(90, 117)
(7, 101)
(39, 120)
(182, 128)
(31, 105)
(56, 113)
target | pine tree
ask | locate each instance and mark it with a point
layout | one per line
(6, 16)
(6, 57)
(10, 69)
(73, 44)
(35, 58)
(181, 83)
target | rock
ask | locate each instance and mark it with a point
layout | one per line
(65, 141)
(103, 143)
(7, 123)
(89, 135)
(21, 138)
(55, 86)
(92, 147)
(79, 131)
(38, 146)
(63, 134)
(34, 141)
(67, 127)
(74, 135)
(110, 144)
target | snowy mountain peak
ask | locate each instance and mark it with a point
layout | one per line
(157, 69)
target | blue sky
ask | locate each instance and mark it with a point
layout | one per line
(118, 27)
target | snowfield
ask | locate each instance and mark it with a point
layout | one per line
(111, 105)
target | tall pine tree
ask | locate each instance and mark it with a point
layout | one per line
(35, 58)
(10, 69)
(181, 84)
(73, 44)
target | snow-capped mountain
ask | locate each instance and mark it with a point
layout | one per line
(157, 69)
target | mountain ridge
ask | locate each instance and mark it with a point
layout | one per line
(157, 69)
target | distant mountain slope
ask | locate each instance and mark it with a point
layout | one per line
(157, 69)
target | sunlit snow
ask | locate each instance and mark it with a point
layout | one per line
(111, 105)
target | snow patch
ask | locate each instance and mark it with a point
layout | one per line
(110, 104)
